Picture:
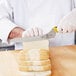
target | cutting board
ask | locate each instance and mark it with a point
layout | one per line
(63, 60)
(8, 64)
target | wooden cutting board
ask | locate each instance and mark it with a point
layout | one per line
(8, 64)
(63, 60)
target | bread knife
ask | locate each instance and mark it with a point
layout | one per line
(48, 36)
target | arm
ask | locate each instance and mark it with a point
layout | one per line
(9, 30)
(68, 22)
(6, 25)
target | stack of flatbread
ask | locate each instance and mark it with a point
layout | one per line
(34, 62)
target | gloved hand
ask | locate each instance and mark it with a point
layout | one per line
(35, 31)
(68, 23)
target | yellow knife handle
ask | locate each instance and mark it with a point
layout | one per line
(55, 28)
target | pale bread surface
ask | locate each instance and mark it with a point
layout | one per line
(35, 68)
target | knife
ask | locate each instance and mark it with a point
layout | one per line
(47, 36)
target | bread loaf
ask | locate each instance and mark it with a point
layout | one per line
(34, 63)
(45, 73)
(35, 68)
(34, 55)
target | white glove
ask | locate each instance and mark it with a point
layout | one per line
(35, 31)
(68, 23)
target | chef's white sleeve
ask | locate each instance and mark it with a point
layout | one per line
(6, 24)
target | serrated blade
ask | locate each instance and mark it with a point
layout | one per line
(50, 35)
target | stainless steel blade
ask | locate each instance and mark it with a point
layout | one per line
(51, 34)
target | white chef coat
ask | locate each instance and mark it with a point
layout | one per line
(42, 13)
